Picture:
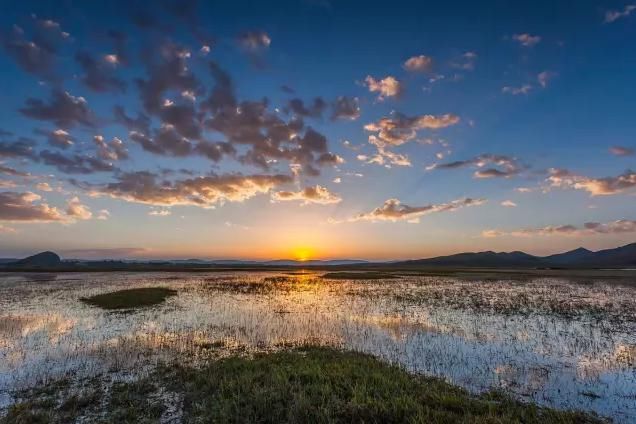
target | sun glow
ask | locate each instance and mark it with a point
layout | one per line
(303, 254)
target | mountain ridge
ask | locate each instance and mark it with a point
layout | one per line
(622, 256)
(619, 257)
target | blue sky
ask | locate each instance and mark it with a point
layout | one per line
(316, 128)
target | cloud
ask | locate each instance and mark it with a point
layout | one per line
(524, 89)
(21, 148)
(509, 204)
(527, 40)
(563, 178)
(254, 40)
(140, 124)
(314, 194)
(64, 110)
(103, 214)
(621, 226)
(346, 108)
(400, 128)
(98, 73)
(160, 212)
(394, 210)
(386, 87)
(167, 71)
(488, 166)
(419, 63)
(384, 156)
(465, 62)
(251, 131)
(76, 210)
(544, 77)
(207, 191)
(75, 163)
(621, 151)
(313, 110)
(106, 253)
(115, 150)
(43, 187)
(613, 15)
(24, 207)
(12, 172)
(57, 138)
(36, 54)
(491, 233)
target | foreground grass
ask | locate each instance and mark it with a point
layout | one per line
(313, 385)
(130, 298)
(367, 275)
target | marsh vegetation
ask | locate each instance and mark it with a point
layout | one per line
(551, 342)
(302, 385)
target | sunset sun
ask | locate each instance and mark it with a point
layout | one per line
(303, 254)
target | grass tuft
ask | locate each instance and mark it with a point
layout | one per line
(130, 298)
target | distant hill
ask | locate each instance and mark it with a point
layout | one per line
(480, 259)
(575, 256)
(620, 257)
(41, 260)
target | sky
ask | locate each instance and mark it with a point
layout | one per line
(316, 128)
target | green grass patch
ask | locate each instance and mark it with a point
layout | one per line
(130, 298)
(369, 275)
(322, 385)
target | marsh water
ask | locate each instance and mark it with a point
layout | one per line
(557, 342)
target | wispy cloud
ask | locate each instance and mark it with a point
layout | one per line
(564, 178)
(515, 91)
(526, 39)
(614, 15)
(621, 151)
(419, 63)
(589, 228)
(314, 194)
(393, 210)
(488, 166)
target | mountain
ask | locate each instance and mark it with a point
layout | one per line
(571, 257)
(624, 256)
(41, 260)
(620, 257)
(480, 259)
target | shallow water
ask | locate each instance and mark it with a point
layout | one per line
(551, 341)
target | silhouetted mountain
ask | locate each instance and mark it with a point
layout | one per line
(571, 257)
(480, 259)
(40, 260)
(7, 260)
(622, 257)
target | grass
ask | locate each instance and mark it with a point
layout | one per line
(366, 275)
(314, 384)
(130, 298)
